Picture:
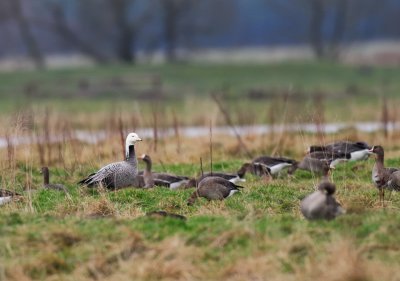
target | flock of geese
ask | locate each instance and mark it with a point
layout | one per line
(321, 204)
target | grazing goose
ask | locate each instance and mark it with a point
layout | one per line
(47, 185)
(313, 165)
(233, 178)
(276, 164)
(384, 177)
(119, 174)
(321, 204)
(7, 196)
(257, 169)
(333, 158)
(163, 179)
(213, 188)
(358, 150)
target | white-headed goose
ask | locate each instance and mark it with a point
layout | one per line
(119, 174)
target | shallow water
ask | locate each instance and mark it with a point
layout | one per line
(193, 131)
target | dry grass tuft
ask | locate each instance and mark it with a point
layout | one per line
(172, 259)
(100, 208)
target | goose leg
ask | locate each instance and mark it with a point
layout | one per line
(383, 198)
(380, 197)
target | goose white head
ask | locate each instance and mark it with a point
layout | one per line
(131, 139)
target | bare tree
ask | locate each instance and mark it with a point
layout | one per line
(185, 20)
(329, 22)
(61, 27)
(16, 13)
(128, 26)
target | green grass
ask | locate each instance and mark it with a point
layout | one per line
(58, 235)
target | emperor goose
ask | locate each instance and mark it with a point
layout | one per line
(162, 179)
(321, 204)
(213, 188)
(358, 150)
(47, 185)
(119, 174)
(383, 177)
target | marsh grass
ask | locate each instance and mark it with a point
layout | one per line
(258, 233)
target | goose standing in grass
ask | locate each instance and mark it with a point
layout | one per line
(358, 150)
(321, 204)
(119, 174)
(257, 169)
(275, 164)
(147, 174)
(47, 185)
(7, 196)
(383, 177)
(162, 179)
(213, 188)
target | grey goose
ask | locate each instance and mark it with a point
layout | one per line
(118, 174)
(275, 164)
(333, 158)
(162, 179)
(213, 188)
(7, 196)
(384, 178)
(358, 150)
(313, 165)
(47, 185)
(233, 178)
(257, 169)
(321, 204)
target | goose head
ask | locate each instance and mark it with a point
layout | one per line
(132, 138)
(327, 187)
(377, 149)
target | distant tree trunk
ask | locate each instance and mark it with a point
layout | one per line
(316, 23)
(26, 34)
(339, 28)
(126, 42)
(170, 9)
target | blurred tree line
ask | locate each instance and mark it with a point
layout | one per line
(115, 30)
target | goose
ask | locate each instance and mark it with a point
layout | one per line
(276, 164)
(47, 185)
(314, 165)
(147, 174)
(383, 177)
(332, 157)
(213, 188)
(118, 174)
(321, 204)
(257, 169)
(358, 150)
(163, 179)
(233, 178)
(7, 196)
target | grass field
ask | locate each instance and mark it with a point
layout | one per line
(257, 234)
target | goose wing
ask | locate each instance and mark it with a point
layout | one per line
(107, 173)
